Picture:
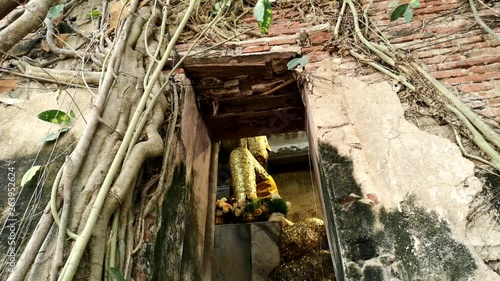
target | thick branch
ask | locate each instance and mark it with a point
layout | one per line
(60, 51)
(80, 151)
(151, 148)
(34, 244)
(69, 76)
(367, 43)
(478, 138)
(380, 68)
(481, 22)
(33, 16)
(486, 130)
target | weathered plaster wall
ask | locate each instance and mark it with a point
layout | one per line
(396, 198)
(21, 131)
(179, 243)
(21, 148)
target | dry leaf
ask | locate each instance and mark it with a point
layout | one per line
(57, 20)
(114, 10)
(7, 85)
(59, 40)
(45, 46)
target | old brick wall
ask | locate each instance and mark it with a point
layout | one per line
(444, 36)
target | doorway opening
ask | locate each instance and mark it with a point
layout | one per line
(242, 98)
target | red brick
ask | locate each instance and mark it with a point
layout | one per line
(449, 73)
(433, 52)
(462, 48)
(292, 14)
(491, 112)
(472, 78)
(256, 49)
(446, 42)
(320, 38)
(432, 10)
(383, 5)
(476, 87)
(286, 28)
(399, 24)
(482, 50)
(443, 58)
(476, 104)
(183, 47)
(422, 17)
(311, 49)
(230, 45)
(373, 197)
(425, 4)
(488, 94)
(253, 44)
(349, 65)
(494, 102)
(318, 56)
(461, 63)
(485, 68)
(449, 27)
(487, 12)
(249, 18)
(412, 37)
(312, 66)
(492, 123)
(282, 42)
(371, 78)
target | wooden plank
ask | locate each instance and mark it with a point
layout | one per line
(228, 70)
(247, 124)
(260, 103)
(250, 58)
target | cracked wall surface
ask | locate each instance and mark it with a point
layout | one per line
(399, 197)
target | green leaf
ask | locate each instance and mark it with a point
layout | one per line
(55, 11)
(297, 62)
(217, 6)
(408, 15)
(398, 12)
(415, 3)
(259, 10)
(94, 14)
(394, 4)
(54, 136)
(267, 18)
(55, 116)
(72, 114)
(29, 175)
(116, 274)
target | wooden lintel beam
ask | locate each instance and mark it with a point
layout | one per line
(257, 114)
(231, 126)
(228, 70)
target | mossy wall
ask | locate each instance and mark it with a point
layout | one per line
(168, 251)
(32, 199)
(178, 250)
(374, 243)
